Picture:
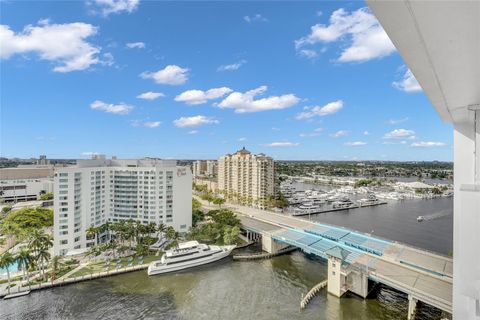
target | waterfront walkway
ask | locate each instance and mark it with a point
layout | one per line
(65, 281)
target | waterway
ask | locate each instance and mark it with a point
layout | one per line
(265, 289)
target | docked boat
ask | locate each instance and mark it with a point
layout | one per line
(370, 201)
(420, 218)
(187, 255)
(344, 203)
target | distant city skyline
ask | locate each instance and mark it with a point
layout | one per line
(182, 80)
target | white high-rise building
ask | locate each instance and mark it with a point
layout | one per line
(246, 177)
(99, 190)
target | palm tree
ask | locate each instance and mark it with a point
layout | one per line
(93, 232)
(24, 258)
(6, 260)
(161, 228)
(55, 264)
(40, 243)
(43, 256)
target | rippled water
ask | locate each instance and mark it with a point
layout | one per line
(266, 289)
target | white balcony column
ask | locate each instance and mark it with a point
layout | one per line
(466, 284)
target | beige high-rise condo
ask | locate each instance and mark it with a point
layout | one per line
(246, 178)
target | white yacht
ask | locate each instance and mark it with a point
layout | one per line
(370, 201)
(343, 203)
(187, 255)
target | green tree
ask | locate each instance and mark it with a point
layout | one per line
(6, 260)
(230, 235)
(218, 201)
(46, 196)
(25, 259)
(55, 265)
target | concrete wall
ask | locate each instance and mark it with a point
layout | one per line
(358, 283)
(334, 276)
(271, 246)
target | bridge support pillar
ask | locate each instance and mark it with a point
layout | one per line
(270, 245)
(412, 307)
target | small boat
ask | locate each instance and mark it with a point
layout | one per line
(187, 255)
(420, 218)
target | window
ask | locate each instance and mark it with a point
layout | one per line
(333, 272)
(64, 242)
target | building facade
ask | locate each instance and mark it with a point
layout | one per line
(201, 168)
(99, 190)
(246, 177)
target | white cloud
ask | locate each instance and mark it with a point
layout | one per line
(171, 74)
(194, 121)
(193, 97)
(152, 124)
(339, 134)
(428, 144)
(281, 144)
(275, 129)
(366, 38)
(255, 18)
(192, 132)
(314, 133)
(231, 67)
(366, 133)
(408, 83)
(397, 121)
(107, 7)
(120, 108)
(62, 44)
(135, 45)
(320, 111)
(400, 134)
(150, 95)
(308, 53)
(355, 143)
(244, 102)
(242, 139)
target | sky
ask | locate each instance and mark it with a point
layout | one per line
(196, 80)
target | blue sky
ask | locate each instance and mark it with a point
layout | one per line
(311, 80)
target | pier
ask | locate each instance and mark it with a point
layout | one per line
(263, 255)
(309, 296)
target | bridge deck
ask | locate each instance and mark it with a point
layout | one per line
(425, 275)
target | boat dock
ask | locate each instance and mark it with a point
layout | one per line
(331, 209)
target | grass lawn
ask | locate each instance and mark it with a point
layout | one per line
(100, 266)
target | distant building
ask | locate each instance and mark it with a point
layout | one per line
(99, 190)
(246, 177)
(43, 160)
(25, 182)
(204, 168)
(211, 183)
(17, 190)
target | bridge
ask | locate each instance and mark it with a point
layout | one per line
(354, 257)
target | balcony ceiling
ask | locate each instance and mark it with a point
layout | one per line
(440, 43)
